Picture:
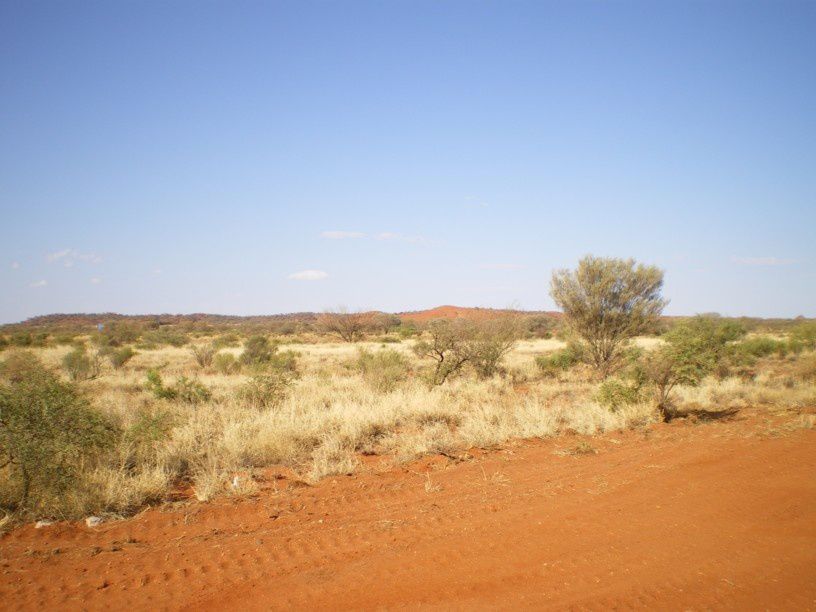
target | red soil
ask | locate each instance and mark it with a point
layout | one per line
(720, 515)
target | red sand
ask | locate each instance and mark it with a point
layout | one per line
(684, 516)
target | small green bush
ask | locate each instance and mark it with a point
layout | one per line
(226, 341)
(155, 385)
(18, 364)
(64, 339)
(560, 361)
(183, 390)
(267, 389)
(257, 351)
(804, 334)
(190, 391)
(27, 339)
(388, 340)
(80, 365)
(615, 393)
(117, 333)
(120, 357)
(761, 346)
(382, 370)
(204, 354)
(226, 363)
(165, 336)
(149, 428)
(407, 329)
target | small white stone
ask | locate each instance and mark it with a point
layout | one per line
(93, 521)
(236, 482)
(43, 523)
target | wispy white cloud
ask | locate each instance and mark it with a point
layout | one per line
(309, 275)
(399, 237)
(39, 283)
(764, 261)
(476, 202)
(96, 280)
(502, 266)
(341, 235)
(69, 257)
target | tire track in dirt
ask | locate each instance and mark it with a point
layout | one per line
(700, 517)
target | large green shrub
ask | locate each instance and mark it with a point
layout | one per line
(762, 346)
(693, 349)
(48, 432)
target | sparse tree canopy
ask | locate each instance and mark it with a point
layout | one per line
(348, 326)
(458, 343)
(606, 302)
(448, 346)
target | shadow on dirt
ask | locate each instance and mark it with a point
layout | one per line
(726, 414)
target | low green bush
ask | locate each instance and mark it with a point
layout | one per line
(266, 389)
(762, 346)
(164, 336)
(560, 361)
(382, 370)
(119, 357)
(226, 363)
(257, 351)
(204, 354)
(614, 393)
(183, 390)
(80, 365)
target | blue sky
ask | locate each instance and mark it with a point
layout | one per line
(253, 158)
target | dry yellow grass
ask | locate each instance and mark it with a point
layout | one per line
(332, 415)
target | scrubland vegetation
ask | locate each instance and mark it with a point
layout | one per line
(96, 422)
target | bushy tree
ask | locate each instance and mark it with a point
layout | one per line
(489, 341)
(606, 302)
(692, 350)
(47, 431)
(447, 345)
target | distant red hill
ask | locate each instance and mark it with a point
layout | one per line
(464, 312)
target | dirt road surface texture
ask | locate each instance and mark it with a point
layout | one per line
(685, 516)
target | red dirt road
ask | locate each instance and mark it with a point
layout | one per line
(712, 516)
